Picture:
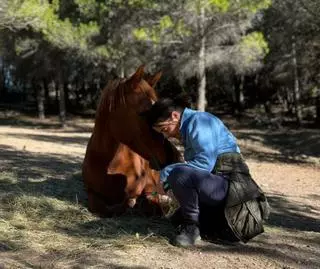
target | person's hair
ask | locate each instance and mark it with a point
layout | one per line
(162, 109)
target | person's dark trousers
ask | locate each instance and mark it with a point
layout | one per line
(192, 187)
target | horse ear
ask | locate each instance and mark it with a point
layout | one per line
(152, 80)
(136, 78)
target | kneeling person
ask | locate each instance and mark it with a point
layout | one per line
(206, 179)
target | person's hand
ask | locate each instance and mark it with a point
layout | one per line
(165, 186)
(164, 199)
(170, 194)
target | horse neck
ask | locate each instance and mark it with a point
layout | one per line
(101, 139)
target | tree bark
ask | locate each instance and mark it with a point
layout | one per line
(2, 79)
(77, 92)
(56, 87)
(318, 108)
(122, 70)
(40, 100)
(241, 94)
(202, 101)
(62, 102)
(46, 90)
(289, 101)
(66, 96)
(237, 94)
(281, 99)
(267, 107)
(234, 99)
(296, 88)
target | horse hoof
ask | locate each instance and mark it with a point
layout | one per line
(132, 202)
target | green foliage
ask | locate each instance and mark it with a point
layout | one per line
(87, 7)
(254, 5)
(254, 42)
(165, 30)
(220, 5)
(61, 33)
(141, 34)
(142, 3)
(155, 32)
(166, 22)
(251, 50)
(23, 45)
(182, 29)
(251, 6)
(102, 51)
(223, 6)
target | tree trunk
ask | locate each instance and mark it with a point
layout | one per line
(46, 90)
(234, 99)
(241, 94)
(202, 101)
(24, 91)
(77, 91)
(56, 87)
(66, 96)
(95, 94)
(122, 70)
(282, 99)
(237, 95)
(2, 79)
(40, 100)
(289, 100)
(296, 88)
(318, 108)
(62, 103)
(267, 107)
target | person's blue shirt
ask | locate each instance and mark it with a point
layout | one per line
(204, 137)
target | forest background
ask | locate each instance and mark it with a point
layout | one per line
(229, 56)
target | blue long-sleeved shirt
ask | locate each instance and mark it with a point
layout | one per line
(204, 137)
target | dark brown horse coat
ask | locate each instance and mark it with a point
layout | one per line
(116, 167)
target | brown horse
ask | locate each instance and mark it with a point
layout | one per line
(116, 167)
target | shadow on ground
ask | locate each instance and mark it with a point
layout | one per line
(294, 146)
(53, 139)
(287, 214)
(51, 175)
(58, 176)
(28, 122)
(300, 253)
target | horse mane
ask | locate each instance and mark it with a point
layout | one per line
(113, 95)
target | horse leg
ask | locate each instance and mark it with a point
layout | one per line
(97, 205)
(106, 195)
(151, 203)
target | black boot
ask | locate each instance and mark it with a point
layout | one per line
(188, 235)
(176, 218)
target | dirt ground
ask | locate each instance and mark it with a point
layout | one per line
(44, 222)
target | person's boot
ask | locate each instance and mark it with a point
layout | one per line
(176, 218)
(188, 235)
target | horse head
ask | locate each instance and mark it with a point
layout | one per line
(121, 105)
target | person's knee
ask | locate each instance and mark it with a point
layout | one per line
(178, 175)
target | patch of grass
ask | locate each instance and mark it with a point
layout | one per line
(10, 237)
(7, 178)
(52, 225)
(44, 221)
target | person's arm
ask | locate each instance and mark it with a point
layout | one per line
(202, 137)
(164, 173)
